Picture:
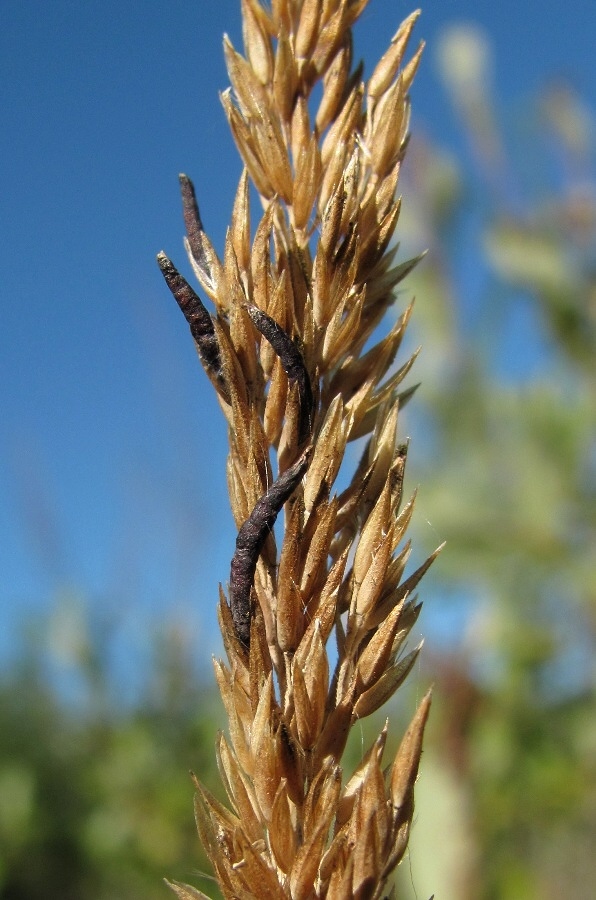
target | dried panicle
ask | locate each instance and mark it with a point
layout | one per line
(290, 348)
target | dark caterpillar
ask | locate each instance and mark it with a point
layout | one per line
(293, 363)
(199, 321)
(250, 540)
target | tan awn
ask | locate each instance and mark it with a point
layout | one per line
(289, 351)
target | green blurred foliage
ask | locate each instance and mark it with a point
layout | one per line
(96, 799)
(507, 473)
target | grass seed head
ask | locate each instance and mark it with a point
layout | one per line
(290, 348)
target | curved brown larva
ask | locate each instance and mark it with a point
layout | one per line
(199, 321)
(191, 214)
(292, 361)
(250, 540)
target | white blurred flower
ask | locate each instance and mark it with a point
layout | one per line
(465, 60)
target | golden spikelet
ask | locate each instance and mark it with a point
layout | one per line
(287, 351)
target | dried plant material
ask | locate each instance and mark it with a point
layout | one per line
(293, 353)
(185, 891)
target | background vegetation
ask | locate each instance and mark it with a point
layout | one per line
(95, 797)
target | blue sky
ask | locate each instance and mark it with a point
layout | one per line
(112, 448)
